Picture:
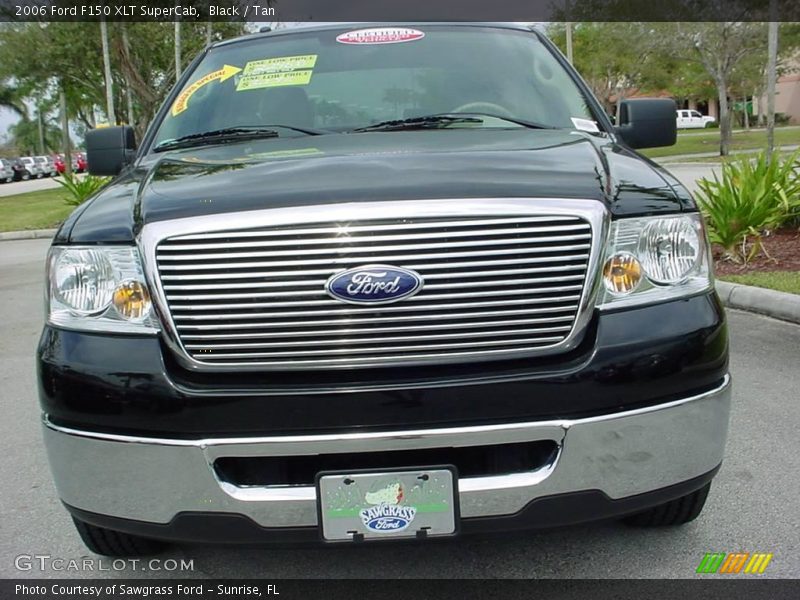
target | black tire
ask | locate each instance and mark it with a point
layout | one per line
(676, 512)
(26, 176)
(108, 542)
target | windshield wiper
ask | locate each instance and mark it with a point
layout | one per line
(427, 122)
(217, 136)
(523, 122)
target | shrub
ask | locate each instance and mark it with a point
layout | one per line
(754, 196)
(81, 188)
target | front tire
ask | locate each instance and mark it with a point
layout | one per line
(675, 512)
(108, 542)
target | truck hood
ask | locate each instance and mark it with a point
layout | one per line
(376, 166)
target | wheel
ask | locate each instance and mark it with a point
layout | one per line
(675, 512)
(108, 542)
(26, 175)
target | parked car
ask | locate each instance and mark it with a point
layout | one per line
(47, 165)
(466, 307)
(6, 171)
(21, 173)
(79, 162)
(691, 119)
(32, 166)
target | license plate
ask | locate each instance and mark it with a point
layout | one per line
(388, 504)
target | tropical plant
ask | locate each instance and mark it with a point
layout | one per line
(752, 197)
(81, 188)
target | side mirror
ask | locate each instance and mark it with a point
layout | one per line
(648, 122)
(109, 149)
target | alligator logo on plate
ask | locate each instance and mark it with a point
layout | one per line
(374, 284)
(386, 514)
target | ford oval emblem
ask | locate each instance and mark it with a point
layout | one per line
(374, 284)
(387, 518)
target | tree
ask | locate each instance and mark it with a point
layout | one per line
(602, 54)
(112, 118)
(11, 99)
(719, 47)
(70, 55)
(25, 135)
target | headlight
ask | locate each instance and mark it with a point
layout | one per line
(651, 259)
(98, 288)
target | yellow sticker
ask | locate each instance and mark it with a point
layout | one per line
(267, 80)
(182, 101)
(282, 63)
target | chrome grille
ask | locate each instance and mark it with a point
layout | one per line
(495, 286)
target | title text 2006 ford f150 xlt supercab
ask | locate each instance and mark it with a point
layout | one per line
(381, 282)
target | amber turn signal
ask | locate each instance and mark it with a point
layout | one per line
(132, 300)
(622, 273)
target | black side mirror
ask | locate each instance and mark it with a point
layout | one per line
(648, 122)
(109, 149)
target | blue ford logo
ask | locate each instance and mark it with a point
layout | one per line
(386, 518)
(374, 284)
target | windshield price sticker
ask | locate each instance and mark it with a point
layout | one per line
(277, 72)
(380, 35)
(283, 63)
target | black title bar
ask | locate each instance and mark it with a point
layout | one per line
(396, 11)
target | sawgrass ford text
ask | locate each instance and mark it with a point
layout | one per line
(144, 590)
(143, 10)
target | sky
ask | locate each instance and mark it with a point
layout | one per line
(7, 118)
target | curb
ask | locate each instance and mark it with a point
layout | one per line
(30, 234)
(778, 305)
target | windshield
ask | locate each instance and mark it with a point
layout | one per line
(340, 80)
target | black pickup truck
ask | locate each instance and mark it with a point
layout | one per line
(375, 283)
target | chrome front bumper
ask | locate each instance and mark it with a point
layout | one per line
(621, 454)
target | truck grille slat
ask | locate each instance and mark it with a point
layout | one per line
(495, 286)
(184, 268)
(262, 276)
(481, 294)
(569, 300)
(346, 247)
(372, 330)
(402, 258)
(436, 286)
(212, 346)
(396, 225)
(269, 243)
(337, 351)
(359, 320)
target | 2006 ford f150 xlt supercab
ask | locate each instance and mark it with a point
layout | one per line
(381, 282)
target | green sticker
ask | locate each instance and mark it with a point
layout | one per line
(276, 72)
(279, 64)
(267, 80)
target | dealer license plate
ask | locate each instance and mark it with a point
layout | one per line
(369, 505)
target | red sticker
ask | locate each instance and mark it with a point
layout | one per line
(382, 35)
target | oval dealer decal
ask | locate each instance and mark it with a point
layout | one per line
(380, 35)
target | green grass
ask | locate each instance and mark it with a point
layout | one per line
(709, 142)
(33, 210)
(783, 281)
(718, 160)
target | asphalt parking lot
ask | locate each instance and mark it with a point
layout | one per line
(32, 185)
(753, 505)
